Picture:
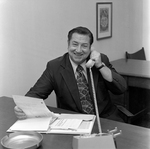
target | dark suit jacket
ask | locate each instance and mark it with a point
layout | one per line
(59, 76)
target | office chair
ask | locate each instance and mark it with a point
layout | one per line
(137, 55)
(129, 117)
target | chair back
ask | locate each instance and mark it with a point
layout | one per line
(137, 55)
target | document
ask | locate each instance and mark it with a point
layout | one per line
(85, 126)
(31, 124)
(32, 107)
(41, 119)
(66, 124)
(39, 116)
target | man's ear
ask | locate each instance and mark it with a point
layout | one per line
(92, 48)
(88, 57)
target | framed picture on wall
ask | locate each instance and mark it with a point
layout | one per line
(103, 20)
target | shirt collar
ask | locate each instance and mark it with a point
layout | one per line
(74, 65)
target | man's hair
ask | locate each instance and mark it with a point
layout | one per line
(83, 31)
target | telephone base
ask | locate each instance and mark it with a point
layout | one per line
(105, 141)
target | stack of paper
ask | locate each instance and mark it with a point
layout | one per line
(31, 124)
(66, 124)
(85, 127)
(41, 119)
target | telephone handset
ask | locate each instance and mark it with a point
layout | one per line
(90, 63)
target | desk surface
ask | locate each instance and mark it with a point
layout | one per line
(133, 137)
(130, 67)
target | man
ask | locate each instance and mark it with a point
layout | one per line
(62, 76)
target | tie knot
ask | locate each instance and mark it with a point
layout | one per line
(79, 68)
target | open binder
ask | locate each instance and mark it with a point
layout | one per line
(45, 121)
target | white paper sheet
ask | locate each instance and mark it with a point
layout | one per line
(66, 124)
(41, 124)
(85, 117)
(31, 124)
(40, 119)
(84, 128)
(33, 107)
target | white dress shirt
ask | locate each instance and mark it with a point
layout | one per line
(74, 66)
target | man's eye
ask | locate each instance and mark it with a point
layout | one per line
(84, 46)
(74, 44)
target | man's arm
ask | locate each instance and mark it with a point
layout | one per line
(118, 84)
(43, 87)
(114, 81)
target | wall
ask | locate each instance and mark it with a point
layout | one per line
(146, 28)
(32, 32)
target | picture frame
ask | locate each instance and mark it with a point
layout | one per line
(103, 20)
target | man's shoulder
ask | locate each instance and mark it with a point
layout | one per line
(104, 57)
(59, 59)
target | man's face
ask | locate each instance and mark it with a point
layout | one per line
(79, 48)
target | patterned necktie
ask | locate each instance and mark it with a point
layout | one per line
(85, 98)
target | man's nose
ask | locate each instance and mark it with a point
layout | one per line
(78, 49)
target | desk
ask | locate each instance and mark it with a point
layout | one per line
(133, 137)
(136, 73)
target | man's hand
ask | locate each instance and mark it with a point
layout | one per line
(19, 113)
(96, 57)
(106, 72)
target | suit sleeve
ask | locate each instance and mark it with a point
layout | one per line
(44, 85)
(118, 85)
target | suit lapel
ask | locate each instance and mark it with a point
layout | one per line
(69, 78)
